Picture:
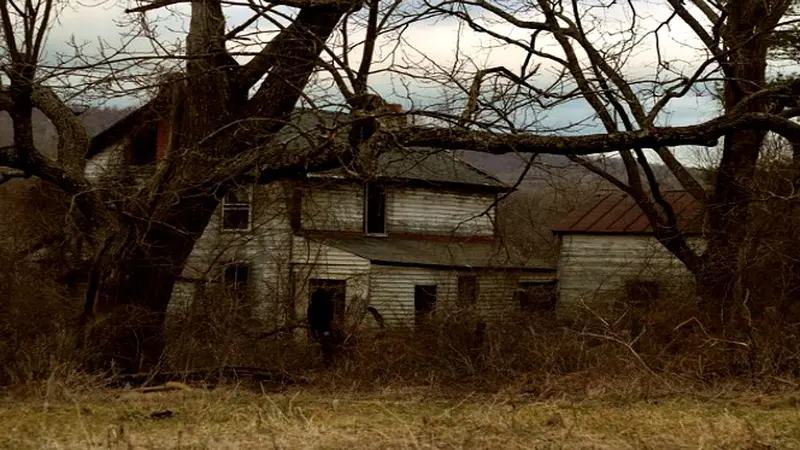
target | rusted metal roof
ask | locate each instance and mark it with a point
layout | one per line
(617, 213)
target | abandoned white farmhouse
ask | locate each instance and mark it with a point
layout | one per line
(608, 254)
(414, 236)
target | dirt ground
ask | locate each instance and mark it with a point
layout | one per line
(231, 417)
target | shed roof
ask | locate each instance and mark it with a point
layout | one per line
(617, 213)
(430, 251)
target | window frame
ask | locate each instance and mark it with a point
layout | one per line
(225, 206)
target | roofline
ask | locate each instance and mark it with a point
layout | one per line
(379, 262)
(481, 171)
(419, 181)
(620, 233)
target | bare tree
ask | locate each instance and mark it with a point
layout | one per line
(589, 46)
(230, 111)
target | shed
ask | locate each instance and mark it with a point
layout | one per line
(609, 256)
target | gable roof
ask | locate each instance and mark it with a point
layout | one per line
(427, 164)
(431, 165)
(617, 213)
(440, 251)
(305, 127)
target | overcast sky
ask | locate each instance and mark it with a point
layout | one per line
(429, 44)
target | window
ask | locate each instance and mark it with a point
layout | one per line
(296, 209)
(642, 293)
(235, 279)
(374, 209)
(142, 147)
(536, 297)
(467, 290)
(424, 304)
(236, 210)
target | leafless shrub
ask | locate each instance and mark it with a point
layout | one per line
(37, 312)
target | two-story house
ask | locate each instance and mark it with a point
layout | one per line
(415, 237)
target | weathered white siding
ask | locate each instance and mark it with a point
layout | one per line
(314, 260)
(593, 269)
(265, 248)
(105, 163)
(419, 210)
(392, 292)
(340, 207)
(333, 207)
(110, 163)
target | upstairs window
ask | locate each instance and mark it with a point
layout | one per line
(374, 209)
(236, 279)
(236, 210)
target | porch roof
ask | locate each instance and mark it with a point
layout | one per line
(431, 251)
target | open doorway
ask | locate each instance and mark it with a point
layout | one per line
(326, 305)
(424, 304)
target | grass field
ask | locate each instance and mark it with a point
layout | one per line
(241, 418)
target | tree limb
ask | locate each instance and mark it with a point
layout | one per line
(705, 134)
(73, 137)
(292, 3)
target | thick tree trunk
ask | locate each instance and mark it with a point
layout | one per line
(218, 140)
(721, 281)
(135, 279)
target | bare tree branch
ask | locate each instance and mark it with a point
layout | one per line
(704, 134)
(73, 138)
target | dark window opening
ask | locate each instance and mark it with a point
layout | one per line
(236, 279)
(467, 290)
(424, 304)
(142, 149)
(326, 305)
(642, 293)
(236, 209)
(296, 209)
(537, 297)
(375, 209)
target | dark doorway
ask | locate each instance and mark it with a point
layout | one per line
(326, 305)
(424, 304)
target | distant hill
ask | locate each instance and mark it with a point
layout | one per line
(44, 133)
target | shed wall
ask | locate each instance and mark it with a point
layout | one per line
(593, 269)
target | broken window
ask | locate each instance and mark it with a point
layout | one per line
(236, 279)
(537, 297)
(236, 209)
(467, 290)
(374, 209)
(424, 304)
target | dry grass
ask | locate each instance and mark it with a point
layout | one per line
(395, 418)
